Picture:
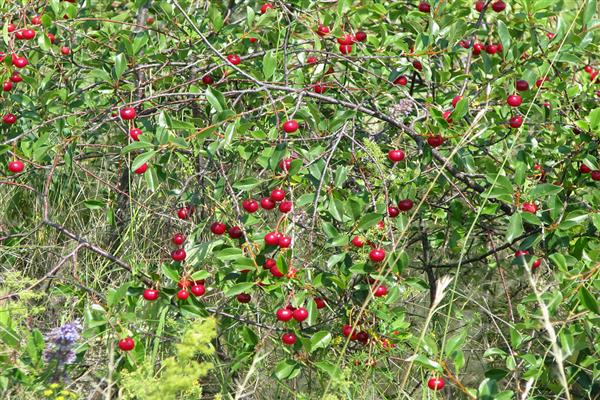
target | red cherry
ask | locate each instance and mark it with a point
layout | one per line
(395, 155)
(19, 62)
(455, 100)
(265, 7)
(284, 242)
(516, 121)
(128, 113)
(465, 44)
(183, 294)
(284, 315)
(401, 80)
(347, 330)
(322, 30)
(65, 51)
(360, 36)
(514, 100)
(424, 7)
(596, 175)
(290, 126)
(377, 255)
(550, 35)
(15, 77)
(126, 344)
(541, 81)
(178, 255)
(134, 134)
(276, 272)
(588, 69)
(198, 290)
(218, 228)
(150, 294)
(141, 169)
(380, 291)
(269, 263)
(405, 205)
(285, 165)
(498, 6)
(11, 28)
(184, 283)
(7, 86)
(521, 253)
(521, 85)
(320, 303)
(479, 6)
(234, 59)
(207, 80)
(346, 40)
(9, 118)
(417, 64)
(28, 34)
(393, 212)
(235, 232)
(250, 205)
(184, 212)
(150, 20)
(243, 298)
(267, 204)
(285, 206)
(252, 39)
(357, 242)
(446, 115)
(547, 105)
(19, 34)
(319, 88)
(477, 48)
(16, 166)
(311, 60)
(345, 49)
(435, 383)
(435, 140)
(178, 239)
(277, 195)
(499, 46)
(491, 49)
(584, 169)
(362, 337)
(536, 264)
(529, 207)
(300, 314)
(51, 37)
(288, 338)
(272, 238)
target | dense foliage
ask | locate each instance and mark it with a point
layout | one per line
(304, 199)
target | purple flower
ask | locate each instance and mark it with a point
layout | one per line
(60, 343)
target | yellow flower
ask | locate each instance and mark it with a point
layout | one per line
(54, 385)
(59, 398)
(47, 392)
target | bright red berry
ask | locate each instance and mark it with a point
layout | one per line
(300, 314)
(435, 140)
(9, 118)
(424, 7)
(516, 121)
(360, 36)
(277, 195)
(320, 303)
(183, 294)
(267, 204)
(357, 242)
(284, 315)
(126, 344)
(377, 255)
(284, 242)
(529, 207)
(198, 290)
(272, 238)
(435, 383)
(395, 155)
(401, 80)
(322, 30)
(498, 6)
(150, 294)
(178, 239)
(243, 298)
(290, 126)
(128, 113)
(521, 85)
(393, 212)
(514, 100)
(134, 134)
(265, 7)
(178, 255)
(345, 48)
(16, 166)
(218, 228)
(250, 205)
(288, 338)
(380, 291)
(234, 59)
(235, 232)
(405, 205)
(285, 206)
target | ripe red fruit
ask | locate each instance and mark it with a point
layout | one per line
(207, 80)
(455, 100)
(11, 28)
(286, 164)
(184, 212)
(521, 85)
(514, 100)
(360, 36)
(218, 228)
(588, 69)
(184, 283)
(269, 263)
(284, 242)
(284, 315)
(477, 47)
(250, 205)
(288, 338)
(516, 121)
(15, 77)
(446, 115)
(252, 39)
(320, 303)
(290, 126)
(547, 105)
(128, 113)
(357, 242)
(235, 232)
(28, 34)
(362, 337)
(393, 211)
(322, 30)
(300, 314)
(141, 169)
(521, 253)
(395, 155)
(491, 49)
(345, 48)
(7, 86)
(265, 7)
(380, 291)
(277, 195)
(529, 207)
(405, 205)
(150, 294)
(424, 7)
(498, 6)
(465, 44)
(347, 40)
(584, 169)
(183, 294)
(272, 238)
(435, 383)
(198, 290)
(536, 264)
(126, 344)
(276, 272)
(319, 88)
(540, 81)
(150, 20)
(401, 80)
(51, 37)
(16, 166)
(417, 64)
(347, 330)
(9, 118)
(377, 255)
(19, 34)
(234, 59)
(267, 204)
(479, 6)
(285, 206)
(311, 60)
(550, 35)
(435, 140)
(65, 51)
(178, 239)
(19, 62)
(596, 175)
(243, 298)
(134, 134)
(178, 255)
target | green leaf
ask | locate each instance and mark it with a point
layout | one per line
(269, 64)
(287, 369)
(320, 339)
(461, 109)
(246, 184)
(515, 227)
(330, 368)
(369, 220)
(230, 253)
(588, 301)
(216, 99)
(142, 159)
(94, 204)
(239, 288)
(504, 35)
(545, 189)
(170, 272)
(120, 64)
(595, 118)
(455, 342)
(487, 389)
